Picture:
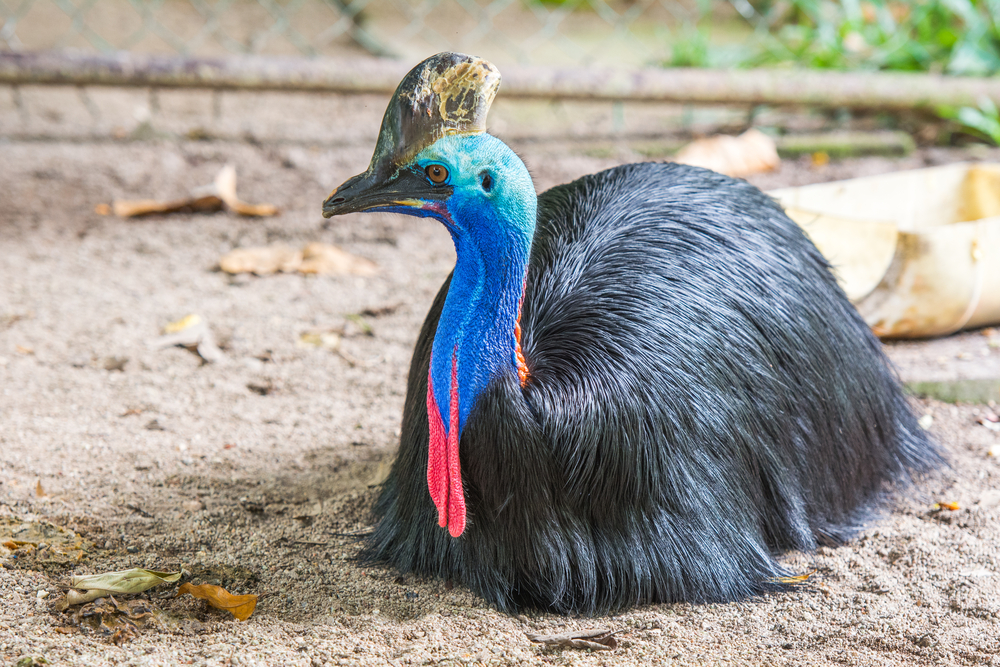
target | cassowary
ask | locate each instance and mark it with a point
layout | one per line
(639, 387)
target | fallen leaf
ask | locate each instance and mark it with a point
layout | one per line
(24, 349)
(39, 490)
(221, 193)
(328, 340)
(185, 322)
(952, 506)
(125, 208)
(240, 606)
(327, 259)
(261, 261)
(597, 639)
(135, 580)
(75, 597)
(190, 332)
(225, 188)
(795, 578)
(315, 258)
(750, 153)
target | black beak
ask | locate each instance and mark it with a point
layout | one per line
(367, 191)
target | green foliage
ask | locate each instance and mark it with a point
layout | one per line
(958, 37)
(983, 121)
(953, 36)
(690, 48)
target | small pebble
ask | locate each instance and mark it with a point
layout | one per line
(926, 421)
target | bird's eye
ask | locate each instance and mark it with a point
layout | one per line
(437, 173)
(486, 180)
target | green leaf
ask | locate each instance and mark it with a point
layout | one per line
(983, 123)
(973, 59)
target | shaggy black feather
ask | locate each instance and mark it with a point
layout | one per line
(702, 397)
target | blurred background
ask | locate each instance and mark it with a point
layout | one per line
(149, 43)
(954, 36)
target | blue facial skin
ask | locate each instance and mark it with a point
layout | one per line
(491, 218)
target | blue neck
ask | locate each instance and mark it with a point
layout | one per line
(481, 311)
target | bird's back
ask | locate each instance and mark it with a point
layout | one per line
(702, 397)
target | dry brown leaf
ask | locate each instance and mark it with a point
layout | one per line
(795, 578)
(597, 639)
(314, 258)
(261, 261)
(329, 259)
(225, 187)
(952, 506)
(222, 193)
(39, 489)
(240, 606)
(140, 207)
(750, 153)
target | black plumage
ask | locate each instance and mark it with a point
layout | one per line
(702, 398)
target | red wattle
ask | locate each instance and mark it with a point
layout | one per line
(437, 456)
(444, 471)
(456, 495)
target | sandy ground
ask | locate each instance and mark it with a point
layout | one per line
(253, 472)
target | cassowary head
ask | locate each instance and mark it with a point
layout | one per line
(434, 159)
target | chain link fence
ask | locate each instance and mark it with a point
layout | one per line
(555, 32)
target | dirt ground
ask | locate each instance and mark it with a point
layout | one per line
(254, 472)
